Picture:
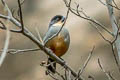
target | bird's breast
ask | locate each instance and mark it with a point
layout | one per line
(58, 45)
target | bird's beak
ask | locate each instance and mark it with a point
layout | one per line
(63, 19)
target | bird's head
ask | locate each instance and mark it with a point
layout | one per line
(57, 20)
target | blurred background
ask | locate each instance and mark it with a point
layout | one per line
(37, 14)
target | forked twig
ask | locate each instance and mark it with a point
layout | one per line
(115, 32)
(76, 12)
(86, 62)
(108, 74)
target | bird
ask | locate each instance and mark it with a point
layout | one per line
(58, 44)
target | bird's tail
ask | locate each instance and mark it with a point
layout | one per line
(51, 66)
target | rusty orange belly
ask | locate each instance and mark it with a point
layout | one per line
(57, 45)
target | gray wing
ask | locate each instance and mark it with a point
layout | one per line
(53, 30)
(66, 37)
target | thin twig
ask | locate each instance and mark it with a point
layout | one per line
(116, 7)
(69, 75)
(21, 16)
(16, 22)
(115, 57)
(18, 11)
(110, 77)
(94, 25)
(74, 11)
(6, 6)
(17, 51)
(115, 31)
(111, 44)
(4, 53)
(66, 78)
(104, 38)
(12, 30)
(40, 38)
(116, 36)
(86, 62)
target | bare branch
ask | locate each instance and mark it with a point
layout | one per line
(16, 51)
(6, 6)
(116, 36)
(29, 35)
(110, 77)
(4, 53)
(3, 16)
(12, 30)
(94, 25)
(74, 11)
(116, 7)
(66, 74)
(100, 33)
(114, 27)
(115, 57)
(86, 62)
(16, 22)
(21, 3)
(21, 16)
(43, 63)
(111, 44)
(40, 38)
(69, 75)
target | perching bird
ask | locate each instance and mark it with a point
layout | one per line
(59, 44)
